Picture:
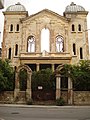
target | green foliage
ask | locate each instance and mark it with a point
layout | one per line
(23, 79)
(80, 74)
(60, 101)
(6, 76)
(44, 78)
(29, 102)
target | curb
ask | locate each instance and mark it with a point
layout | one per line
(41, 106)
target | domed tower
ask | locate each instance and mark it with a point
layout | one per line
(78, 33)
(12, 31)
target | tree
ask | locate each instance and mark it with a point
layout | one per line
(6, 76)
(80, 74)
(44, 78)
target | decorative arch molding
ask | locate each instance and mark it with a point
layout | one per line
(17, 85)
(58, 85)
(26, 67)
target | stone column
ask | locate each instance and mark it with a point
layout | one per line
(58, 86)
(53, 67)
(37, 69)
(28, 90)
(16, 91)
(70, 91)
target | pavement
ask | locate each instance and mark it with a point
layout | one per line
(40, 106)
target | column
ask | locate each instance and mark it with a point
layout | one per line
(37, 69)
(16, 91)
(53, 67)
(58, 86)
(70, 91)
(28, 90)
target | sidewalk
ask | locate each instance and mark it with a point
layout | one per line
(40, 106)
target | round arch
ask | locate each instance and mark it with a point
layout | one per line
(17, 85)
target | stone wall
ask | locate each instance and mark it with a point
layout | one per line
(7, 97)
(81, 97)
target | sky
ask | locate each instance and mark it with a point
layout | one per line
(34, 6)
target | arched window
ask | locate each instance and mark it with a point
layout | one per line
(16, 49)
(59, 44)
(73, 27)
(17, 28)
(79, 27)
(31, 44)
(11, 27)
(74, 49)
(81, 53)
(9, 53)
(45, 44)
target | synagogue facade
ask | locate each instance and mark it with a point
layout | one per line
(65, 41)
(44, 40)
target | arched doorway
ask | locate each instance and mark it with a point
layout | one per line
(63, 85)
(18, 95)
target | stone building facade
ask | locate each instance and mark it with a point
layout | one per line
(67, 36)
(45, 39)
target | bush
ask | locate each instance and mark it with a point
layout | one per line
(29, 102)
(60, 101)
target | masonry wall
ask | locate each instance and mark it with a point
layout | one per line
(82, 97)
(79, 97)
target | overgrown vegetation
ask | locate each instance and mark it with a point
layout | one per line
(80, 74)
(23, 79)
(6, 76)
(44, 78)
(60, 101)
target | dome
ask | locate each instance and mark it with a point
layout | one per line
(16, 7)
(74, 8)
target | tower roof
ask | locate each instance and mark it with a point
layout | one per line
(16, 7)
(74, 8)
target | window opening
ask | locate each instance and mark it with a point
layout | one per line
(79, 27)
(74, 49)
(81, 53)
(59, 44)
(11, 27)
(16, 49)
(9, 54)
(17, 29)
(45, 34)
(31, 44)
(73, 27)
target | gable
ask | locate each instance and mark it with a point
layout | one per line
(45, 14)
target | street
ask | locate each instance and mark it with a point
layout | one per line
(44, 113)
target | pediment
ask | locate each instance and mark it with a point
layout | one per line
(44, 13)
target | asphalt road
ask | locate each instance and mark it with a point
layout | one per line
(44, 113)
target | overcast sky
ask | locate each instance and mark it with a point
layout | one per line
(34, 6)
